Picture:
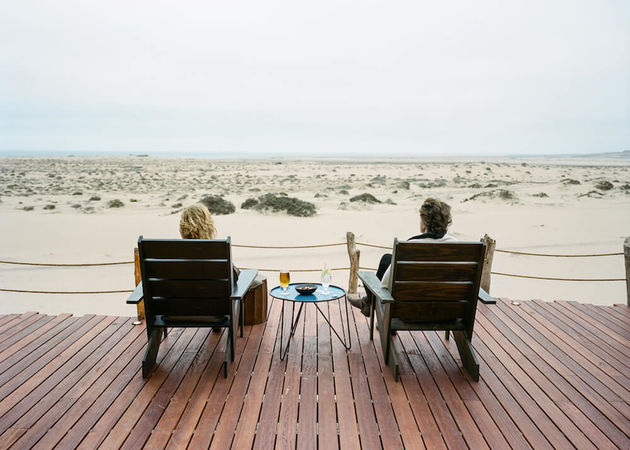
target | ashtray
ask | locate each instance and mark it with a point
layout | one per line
(306, 289)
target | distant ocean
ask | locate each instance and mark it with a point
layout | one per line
(604, 158)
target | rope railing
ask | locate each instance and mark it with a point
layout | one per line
(285, 247)
(513, 252)
(112, 263)
(21, 263)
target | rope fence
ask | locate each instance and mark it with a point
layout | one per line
(284, 247)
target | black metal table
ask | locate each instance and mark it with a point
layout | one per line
(319, 296)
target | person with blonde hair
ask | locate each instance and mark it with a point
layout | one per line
(196, 223)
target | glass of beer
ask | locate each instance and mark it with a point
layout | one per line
(285, 278)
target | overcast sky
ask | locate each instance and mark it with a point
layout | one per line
(319, 77)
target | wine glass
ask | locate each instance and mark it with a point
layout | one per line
(326, 278)
(285, 278)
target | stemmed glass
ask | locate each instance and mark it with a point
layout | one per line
(326, 278)
(285, 278)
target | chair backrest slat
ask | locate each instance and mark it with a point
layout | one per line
(187, 269)
(186, 248)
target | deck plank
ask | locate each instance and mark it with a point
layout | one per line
(567, 376)
(551, 375)
(246, 427)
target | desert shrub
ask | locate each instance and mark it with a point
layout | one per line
(506, 195)
(592, 194)
(95, 198)
(283, 203)
(475, 186)
(217, 205)
(389, 201)
(28, 208)
(503, 194)
(76, 206)
(249, 203)
(365, 197)
(77, 193)
(571, 181)
(540, 195)
(403, 185)
(133, 200)
(177, 205)
(604, 185)
(625, 187)
(115, 203)
(344, 192)
(49, 207)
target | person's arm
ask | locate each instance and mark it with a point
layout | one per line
(386, 277)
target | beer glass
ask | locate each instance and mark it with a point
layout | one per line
(285, 278)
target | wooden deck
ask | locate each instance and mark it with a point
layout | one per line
(552, 375)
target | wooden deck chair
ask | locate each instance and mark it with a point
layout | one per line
(189, 283)
(433, 286)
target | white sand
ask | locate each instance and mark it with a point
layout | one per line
(565, 221)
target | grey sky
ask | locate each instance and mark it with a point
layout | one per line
(371, 77)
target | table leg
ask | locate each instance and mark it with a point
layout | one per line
(348, 345)
(294, 321)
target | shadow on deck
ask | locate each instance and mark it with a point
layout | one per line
(552, 374)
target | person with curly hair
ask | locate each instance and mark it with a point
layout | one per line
(435, 218)
(196, 223)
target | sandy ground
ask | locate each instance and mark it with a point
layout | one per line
(56, 210)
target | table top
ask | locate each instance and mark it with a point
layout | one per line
(334, 292)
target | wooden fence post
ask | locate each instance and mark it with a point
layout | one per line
(626, 255)
(138, 279)
(354, 254)
(487, 263)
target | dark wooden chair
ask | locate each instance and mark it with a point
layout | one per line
(433, 286)
(189, 283)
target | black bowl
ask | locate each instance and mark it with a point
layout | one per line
(306, 289)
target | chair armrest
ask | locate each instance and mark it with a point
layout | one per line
(484, 297)
(136, 296)
(244, 282)
(373, 284)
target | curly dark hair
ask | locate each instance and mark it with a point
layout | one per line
(436, 216)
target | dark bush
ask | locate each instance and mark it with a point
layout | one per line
(365, 197)
(278, 203)
(604, 185)
(115, 203)
(217, 205)
(95, 198)
(249, 203)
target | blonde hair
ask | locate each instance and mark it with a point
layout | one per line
(196, 223)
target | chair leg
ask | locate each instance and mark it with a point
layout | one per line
(241, 316)
(231, 338)
(446, 335)
(227, 358)
(372, 312)
(150, 354)
(467, 354)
